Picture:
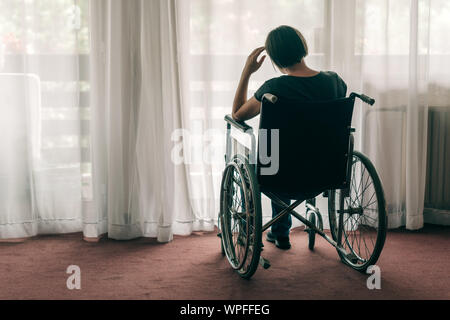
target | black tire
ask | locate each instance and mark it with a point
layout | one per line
(312, 233)
(371, 222)
(222, 250)
(241, 217)
(219, 227)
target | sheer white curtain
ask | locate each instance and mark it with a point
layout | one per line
(138, 189)
(91, 151)
(392, 50)
(42, 115)
(402, 61)
(215, 38)
(136, 148)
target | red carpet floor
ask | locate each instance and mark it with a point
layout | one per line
(414, 265)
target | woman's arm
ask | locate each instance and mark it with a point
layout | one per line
(242, 109)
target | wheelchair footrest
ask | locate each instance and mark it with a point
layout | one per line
(352, 257)
(264, 263)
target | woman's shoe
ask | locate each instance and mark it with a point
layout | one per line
(280, 242)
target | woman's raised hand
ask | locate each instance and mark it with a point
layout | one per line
(253, 64)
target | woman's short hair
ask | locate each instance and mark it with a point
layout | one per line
(286, 46)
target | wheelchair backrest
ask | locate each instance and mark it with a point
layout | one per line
(313, 145)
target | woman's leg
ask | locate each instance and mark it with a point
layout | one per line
(283, 227)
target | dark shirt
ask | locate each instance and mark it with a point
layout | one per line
(324, 86)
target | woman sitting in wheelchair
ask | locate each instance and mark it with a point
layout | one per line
(287, 49)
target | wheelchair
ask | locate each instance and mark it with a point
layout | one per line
(304, 151)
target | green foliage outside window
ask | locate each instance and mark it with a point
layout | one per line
(44, 26)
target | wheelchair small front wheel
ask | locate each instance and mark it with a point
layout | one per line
(312, 233)
(358, 221)
(240, 217)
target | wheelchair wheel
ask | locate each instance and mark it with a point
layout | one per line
(358, 222)
(241, 217)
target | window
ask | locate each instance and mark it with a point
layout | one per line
(50, 38)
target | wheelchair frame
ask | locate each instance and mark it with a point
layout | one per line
(314, 225)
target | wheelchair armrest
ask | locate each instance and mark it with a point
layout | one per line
(242, 126)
